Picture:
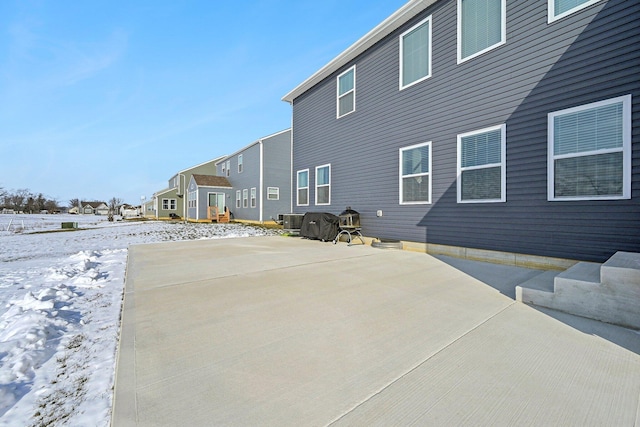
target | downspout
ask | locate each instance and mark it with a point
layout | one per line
(261, 181)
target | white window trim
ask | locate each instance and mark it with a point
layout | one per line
(299, 188)
(277, 193)
(338, 96)
(428, 19)
(502, 164)
(626, 150)
(551, 10)
(323, 185)
(228, 167)
(254, 198)
(168, 203)
(245, 198)
(401, 176)
(238, 199)
(240, 163)
(503, 36)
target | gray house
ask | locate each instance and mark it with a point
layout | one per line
(260, 174)
(500, 127)
(205, 192)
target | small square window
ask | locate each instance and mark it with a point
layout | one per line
(273, 193)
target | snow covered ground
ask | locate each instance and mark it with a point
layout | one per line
(60, 302)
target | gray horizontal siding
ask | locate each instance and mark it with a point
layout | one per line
(587, 57)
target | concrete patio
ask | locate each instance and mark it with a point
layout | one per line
(284, 331)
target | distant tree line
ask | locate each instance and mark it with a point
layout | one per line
(23, 200)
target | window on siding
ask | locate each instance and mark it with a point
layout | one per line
(228, 167)
(481, 27)
(240, 166)
(273, 193)
(347, 92)
(323, 185)
(169, 204)
(191, 199)
(224, 169)
(245, 198)
(303, 187)
(590, 151)
(415, 174)
(253, 197)
(238, 198)
(558, 9)
(415, 54)
(481, 165)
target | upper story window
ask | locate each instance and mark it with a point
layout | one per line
(590, 151)
(415, 54)
(558, 9)
(346, 102)
(415, 174)
(224, 169)
(273, 193)
(323, 185)
(228, 167)
(481, 27)
(482, 165)
(240, 166)
(303, 188)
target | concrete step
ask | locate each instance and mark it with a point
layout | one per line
(622, 270)
(583, 276)
(538, 290)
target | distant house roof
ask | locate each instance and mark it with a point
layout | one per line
(211, 181)
(246, 147)
(94, 205)
(392, 23)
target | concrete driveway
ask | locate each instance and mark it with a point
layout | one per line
(280, 331)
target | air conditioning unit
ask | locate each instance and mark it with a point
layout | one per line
(292, 221)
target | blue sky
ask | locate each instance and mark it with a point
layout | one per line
(102, 99)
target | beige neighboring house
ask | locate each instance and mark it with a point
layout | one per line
(92, 208)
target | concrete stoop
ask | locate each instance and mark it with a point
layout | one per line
(608, 292)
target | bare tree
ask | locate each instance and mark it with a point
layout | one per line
(114, 204)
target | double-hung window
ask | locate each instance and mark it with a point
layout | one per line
(482, 165)
(346, 100)
(253, 197)
(415, 54)
(415, 174)
(228, 167)
(481, 27)
(245, 198)
(303, 188)
(240, 165)
(590, 151)
(323, 185)
(558, 9)
(238, 199)
(273, 193)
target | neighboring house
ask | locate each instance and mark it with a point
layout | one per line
(129, 211)
(94, 208)
(260, 174)
(149, 208)
(207, 191)
(173, 197)
(167, 204)
(501, 125)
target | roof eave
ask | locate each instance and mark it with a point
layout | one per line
(385, 28)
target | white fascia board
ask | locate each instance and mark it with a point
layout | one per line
(386, 27)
